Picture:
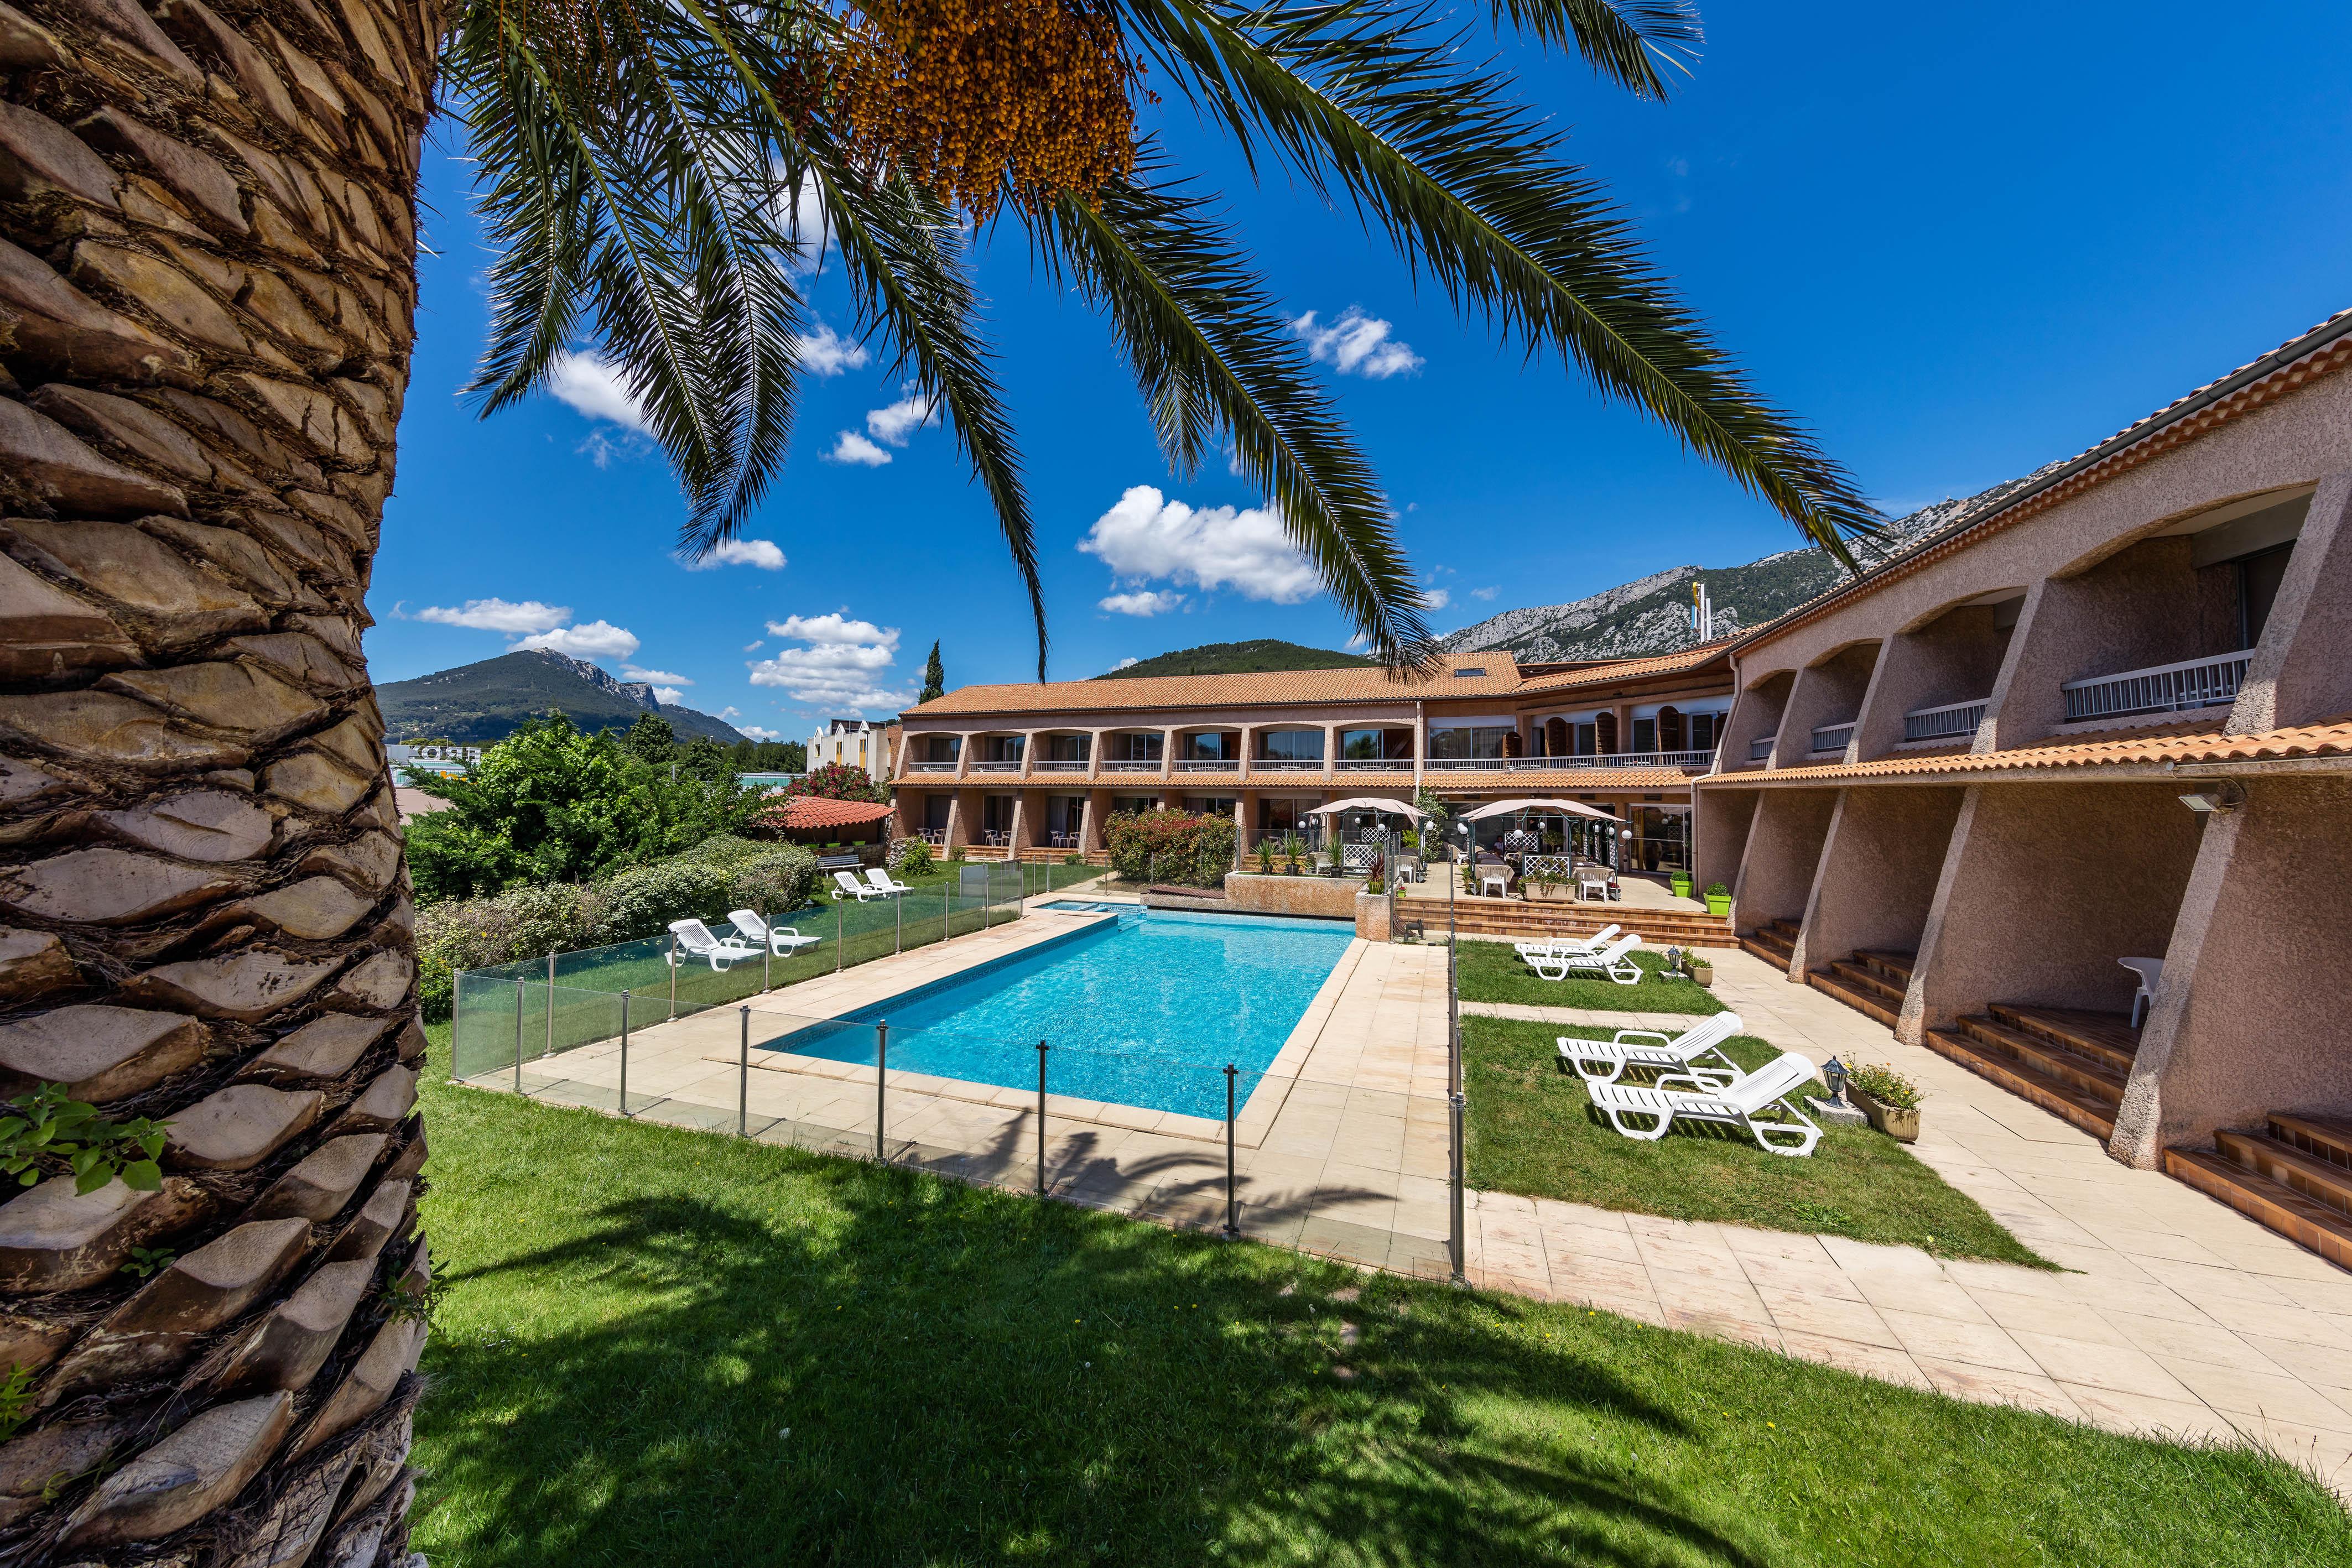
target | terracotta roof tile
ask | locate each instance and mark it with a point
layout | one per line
(1630, 669)
(804, 812)
(2190, 741)
(1361, 683)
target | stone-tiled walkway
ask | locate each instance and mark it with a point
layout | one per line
(2179, 1317)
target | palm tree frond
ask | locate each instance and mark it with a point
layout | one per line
(1625, 41)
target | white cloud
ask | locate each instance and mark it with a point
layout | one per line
(855, 448)
(1143, 601)
(756, 733)
(1485, 592)
(599, 450)
(807, 226)
(1358, 641)
(763, 553)
(1357, 344)
(1147, 537)
(753, 645)
(841, 665)
(592, 385)
(1438, 598)
(832, 628)
(828, 353)
(893, 425)
(1126, 664)
(497, 615)
(596, 640)
(730, 711)
(631, 673)
(668, 696)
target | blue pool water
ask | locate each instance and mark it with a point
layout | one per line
(1146, 1010)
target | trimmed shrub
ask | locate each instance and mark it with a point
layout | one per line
(911, 857)
(776, 880)
(644, 900)
(1172, 846)
(475, 932)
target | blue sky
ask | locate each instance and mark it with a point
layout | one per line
(1958, 242)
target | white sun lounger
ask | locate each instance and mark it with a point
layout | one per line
(1615, 961)
(850, 887)
(695, 941)
(783, 941)
(1605, 1061)
(1531, 951)
(1742, 1103)
(877, 878)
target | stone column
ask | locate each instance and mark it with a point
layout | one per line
(1167, 753)
(1331, 750)
(2302, 672)
(1248, 745)
(1095, 753)
(1028, 754)
(1420, 745)
(959, 833)
(963, 756)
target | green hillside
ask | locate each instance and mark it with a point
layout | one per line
(475, 705)
(1237, 659)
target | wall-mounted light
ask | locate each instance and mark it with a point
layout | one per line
(2222, 796)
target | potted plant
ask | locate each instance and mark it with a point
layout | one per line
(1719, 899)
(1680, 882)
(1266, 857)
(1701, 970)
(1890, 1100)
(1546, 886)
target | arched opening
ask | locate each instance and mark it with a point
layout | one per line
(1671, 731)
(1556, 737)
(1604, 733)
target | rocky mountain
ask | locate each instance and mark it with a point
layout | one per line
(1237, 659)
(474, 704)
(1651, 614)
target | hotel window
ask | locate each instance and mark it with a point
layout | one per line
(1064, 813)
(996, 814)
(1703, 732)
(935, 813)
(1068, 747)
(1290, 746)
(1461, 742)
(1212, 746)
(1646, 735)
(940, 747)
(1277, 816)
(1132, 805)
(1138, 747)
(1376, 744)
(1585, 745)
(1210, 805)
(1003, 747)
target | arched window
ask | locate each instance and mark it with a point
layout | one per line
(1604, 733)
(1670, 729)
(1556, 743)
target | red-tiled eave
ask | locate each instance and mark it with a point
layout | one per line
(2191, 743)
(802, 812)
(1624, 670)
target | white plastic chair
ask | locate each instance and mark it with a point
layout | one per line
(1615, 961)
(850, 887)
(695, 941)
(1742, 1103)
(783, 941)
(2150, 972)
(1605, 1061)
(880, 880)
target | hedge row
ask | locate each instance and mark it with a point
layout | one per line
(705, 882)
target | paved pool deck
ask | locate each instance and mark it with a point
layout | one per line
(2177, 1317)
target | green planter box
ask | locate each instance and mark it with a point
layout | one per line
(1681, 885)
(1718, 903)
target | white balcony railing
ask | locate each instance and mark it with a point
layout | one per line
(1945, 723)
(1690, 761)
(1012, 767)
(1760, 749)
(1209, 765)
(1134, 765)
(947, 766)
(2161, 689)
(1287, 764)
(1060, 767)
(1832, 736)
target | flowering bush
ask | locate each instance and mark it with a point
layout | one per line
(837, 781)
(1172, 846)
(1884, 1084)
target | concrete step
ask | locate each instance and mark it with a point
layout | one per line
(1778, 960)
(2090, 1076)
(1769, 937)
(2324, 1137)
(1861, 998)
(1892, 966)
(1862, 978)
(2092, 1115)
(1786, 930)
(2315, 1178)
(2106, 1037)
(2314, 1225)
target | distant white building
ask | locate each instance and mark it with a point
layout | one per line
(408, 761)
(857, 742)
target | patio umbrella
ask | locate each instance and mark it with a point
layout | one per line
(1368, 803)
(1511, 808)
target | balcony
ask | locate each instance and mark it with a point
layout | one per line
(1688, 762)
(1832, 736)
(1209, 765)
(947, 766)
(1060, 767)
(1282, 765)
(1953, 721)
(2161, 689)
(1011, 767)
(1760, 749)
(1134, 765)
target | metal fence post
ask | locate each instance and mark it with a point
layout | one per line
(881, 1079)
(551, 1005)
(743, 1078)
(1458, 1241)
(767, 980)
(673, 974)
(1041, 1118)
(837, 933)
(899, 913)
(625, 1053)
(1457, 1237)
(1233, 1222)
(517, 1034)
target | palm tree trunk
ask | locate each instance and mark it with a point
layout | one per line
(207, 282)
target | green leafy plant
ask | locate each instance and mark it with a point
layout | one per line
(16, 1399)
(1266, 857)
(1716, 890)
(413, 1300)
(911, 857)
(48, 1127)
(145, 1261)
(1182, 847)
(1884, 1084)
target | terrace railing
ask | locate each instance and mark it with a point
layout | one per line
(1760, 747)
(1690, 761)
(947, 766)
(1134, 765)
(1209, 765)
(2160, 688)
(1060, 767)
(1011, 767)
(1946, 723)
(1282, 765)
(1832, 736)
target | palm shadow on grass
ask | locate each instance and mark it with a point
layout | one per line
(662, 1347)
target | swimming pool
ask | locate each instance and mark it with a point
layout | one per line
(1144, 1010)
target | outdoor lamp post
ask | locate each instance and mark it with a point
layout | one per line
(1834, 1073)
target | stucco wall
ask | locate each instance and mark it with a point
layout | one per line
(1879, 866)
(1784, 845)
(1327, 897)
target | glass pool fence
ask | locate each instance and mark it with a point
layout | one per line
(564, 1001)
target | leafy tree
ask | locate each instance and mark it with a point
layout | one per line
(704, 758)
(838, 782)
(652, 739)
(935, 677)
(549, 804)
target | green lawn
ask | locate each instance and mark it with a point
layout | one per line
(670, 1348)
(1533, 1130)
(1494, 972)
